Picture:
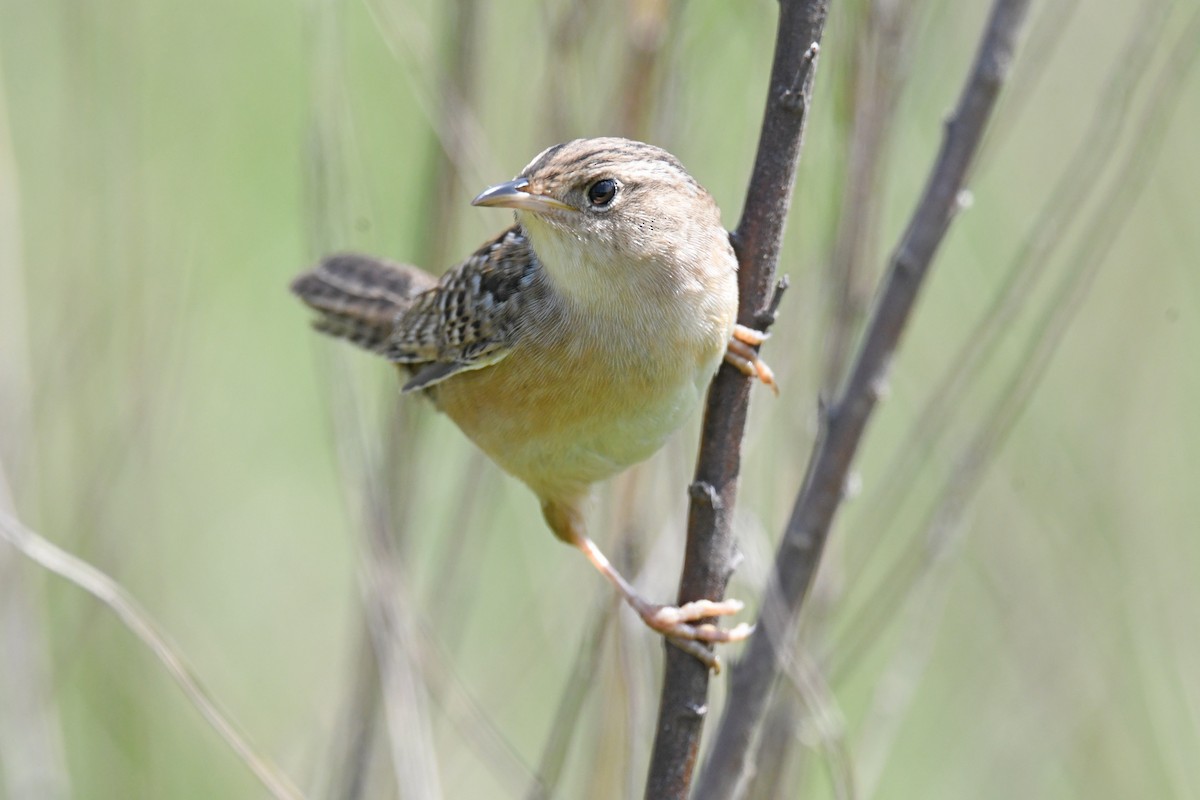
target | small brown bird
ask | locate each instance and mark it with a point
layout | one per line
(576, 342)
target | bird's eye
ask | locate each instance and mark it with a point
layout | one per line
(602, 192)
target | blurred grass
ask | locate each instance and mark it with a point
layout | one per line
(175, 425)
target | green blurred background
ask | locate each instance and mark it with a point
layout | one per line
(1012, 609)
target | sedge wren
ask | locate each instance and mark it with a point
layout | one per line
(576, 342)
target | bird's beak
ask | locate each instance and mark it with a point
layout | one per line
(516, 194)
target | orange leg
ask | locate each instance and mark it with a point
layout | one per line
(741, 354)
(680, 624)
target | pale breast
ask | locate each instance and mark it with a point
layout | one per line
(563, 414)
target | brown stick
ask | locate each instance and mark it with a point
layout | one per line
(846, 418)
(709, 557)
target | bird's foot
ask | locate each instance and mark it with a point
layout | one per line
(682, 625)
(679, 625)
(741, 354)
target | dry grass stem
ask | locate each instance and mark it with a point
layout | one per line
(106, 590)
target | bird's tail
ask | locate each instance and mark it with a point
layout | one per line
(359, 297)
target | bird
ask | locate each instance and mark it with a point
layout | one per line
(572, 345)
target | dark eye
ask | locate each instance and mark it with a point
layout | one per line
(602, 192)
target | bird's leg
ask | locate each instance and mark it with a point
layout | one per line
(741, 354)
(682, 625)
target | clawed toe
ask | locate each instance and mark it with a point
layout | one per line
(677, 623)
(665, 617)
(741, 354)
(746, 334)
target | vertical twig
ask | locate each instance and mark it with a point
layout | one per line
(1067, 200)
(709, 556)
(1105, 225)
(945, 524)
(845, 420)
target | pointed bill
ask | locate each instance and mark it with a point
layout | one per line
(516, 194)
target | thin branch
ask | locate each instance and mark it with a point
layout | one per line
(812, 516)
(945, 526)
(1067, 200)
(133, 616)
(709, 557)
(1045, 36)
(1124, 191)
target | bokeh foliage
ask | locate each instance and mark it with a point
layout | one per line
(166, 167)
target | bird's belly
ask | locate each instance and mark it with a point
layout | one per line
(561, 426)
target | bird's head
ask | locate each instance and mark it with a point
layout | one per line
(610, 212)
